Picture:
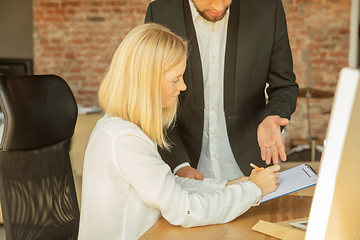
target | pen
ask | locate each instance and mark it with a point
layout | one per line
(256, 167)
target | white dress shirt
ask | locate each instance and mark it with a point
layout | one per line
(127, 187)
(216, 159)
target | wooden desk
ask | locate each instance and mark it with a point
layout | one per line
(280, 209)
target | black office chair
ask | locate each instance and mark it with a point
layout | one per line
(37, 191)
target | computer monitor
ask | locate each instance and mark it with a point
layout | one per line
(16, 66)
(335, 211)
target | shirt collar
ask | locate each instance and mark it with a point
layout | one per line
(195, 13)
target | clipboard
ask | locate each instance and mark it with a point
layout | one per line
(292, 180)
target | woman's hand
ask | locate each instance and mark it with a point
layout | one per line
(267, 179)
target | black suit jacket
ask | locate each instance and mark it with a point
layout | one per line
(257, 52)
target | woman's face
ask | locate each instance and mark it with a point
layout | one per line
(172, 84)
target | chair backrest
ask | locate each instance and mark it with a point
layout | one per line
(37, 191)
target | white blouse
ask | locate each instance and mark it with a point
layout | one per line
(127, 187)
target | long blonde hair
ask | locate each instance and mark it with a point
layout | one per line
(131, 88)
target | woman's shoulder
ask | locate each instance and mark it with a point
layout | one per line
(118, 127)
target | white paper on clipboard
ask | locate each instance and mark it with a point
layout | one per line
(292, 180)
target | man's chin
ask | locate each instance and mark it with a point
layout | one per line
(211, 18)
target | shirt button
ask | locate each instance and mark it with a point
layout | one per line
(213, 133)
(213, 57)
(214, 84)
(214, 156)
(188, 212)
(213, 109)
(213, 30)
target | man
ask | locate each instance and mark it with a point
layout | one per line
(236, 47)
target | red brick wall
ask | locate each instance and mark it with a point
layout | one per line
(77, 38)
(319, 38)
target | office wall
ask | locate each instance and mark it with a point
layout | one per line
(319, 38)
(16, 29)
(77, 38)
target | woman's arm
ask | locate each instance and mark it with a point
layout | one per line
(141, 165)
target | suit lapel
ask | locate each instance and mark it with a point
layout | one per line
(193, 74)
(230, 57)
(172, 18)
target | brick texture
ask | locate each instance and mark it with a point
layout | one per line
(76, 39)
(319, 38)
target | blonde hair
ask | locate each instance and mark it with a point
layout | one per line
(131, 88)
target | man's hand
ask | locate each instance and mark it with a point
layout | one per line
(270, 139)
(189, 172)
(237, 180)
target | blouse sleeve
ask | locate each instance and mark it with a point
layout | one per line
(195, 205)
(207, 185)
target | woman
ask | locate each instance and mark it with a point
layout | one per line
(126, 185)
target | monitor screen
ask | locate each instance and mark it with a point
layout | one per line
(335, 211)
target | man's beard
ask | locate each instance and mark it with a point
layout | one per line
(211, 18)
